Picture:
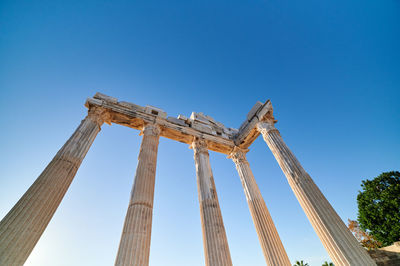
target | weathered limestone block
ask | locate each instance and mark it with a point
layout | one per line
(207, 124)
(155, 111)
(22, 227)
(176, 121)
(385, 258)
(132, 106)
(247, 130)
(274, 252)
(219, 125)
(264, 110)
(254, 110)
(93, 102)
(206, 119)
(134, 247)
(101, 96)
(243, 125)
(203, 128)
(230, 131)
(395, 247)
(216, 249)
(182, 117)
(339, 242)
(199, 117)
(210, 119)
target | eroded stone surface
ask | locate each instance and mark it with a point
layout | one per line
(216, 249)
(22, 227)
(338, 241)
(274, 252)
(134, 247)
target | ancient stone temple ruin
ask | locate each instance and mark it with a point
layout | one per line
(22, 227)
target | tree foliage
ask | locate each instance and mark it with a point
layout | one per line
(328, 264)
(300, 263)
(366, 240)
(379, 207)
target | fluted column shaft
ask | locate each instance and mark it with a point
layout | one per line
(22, 227)
(216, 249)
(274, 252)
(340, 244)
(134, 247)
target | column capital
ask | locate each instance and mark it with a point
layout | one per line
(99, 115)
(238, 155)
(151, 130)
(266, 126)
(199, 146)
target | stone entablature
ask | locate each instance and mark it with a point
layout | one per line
(183, 129)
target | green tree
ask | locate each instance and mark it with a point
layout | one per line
(328, 264)
(300, 263)
(379, 207)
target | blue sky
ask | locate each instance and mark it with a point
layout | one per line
(330, 68)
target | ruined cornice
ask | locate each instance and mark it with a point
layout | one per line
(183, 130)
(248, 130)
(219, 138)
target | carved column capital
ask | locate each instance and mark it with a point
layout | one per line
(99, 115)
(238, 155)
(199, 146)
(265, 127)
(151, 130)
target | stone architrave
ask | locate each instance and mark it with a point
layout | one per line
(216, 249)
(134, 247)
(340, 244)
(22, 227)
(274, 252)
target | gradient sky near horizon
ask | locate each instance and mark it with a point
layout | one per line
(330, 68)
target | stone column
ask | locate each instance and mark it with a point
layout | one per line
(340, 244)
(134, 247)
(274, 252)
(22, 227)
(216, 249)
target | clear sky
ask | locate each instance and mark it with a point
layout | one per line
(330, 68)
